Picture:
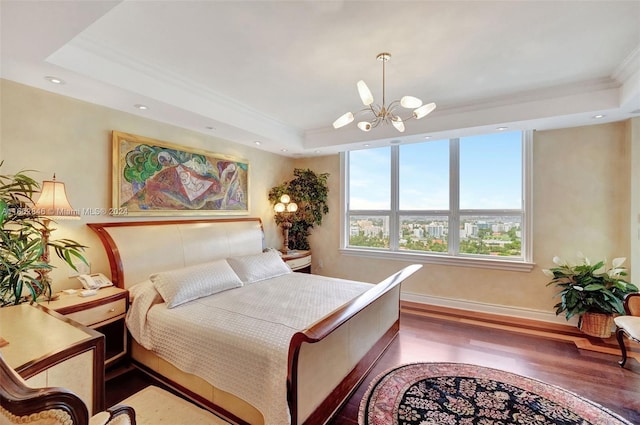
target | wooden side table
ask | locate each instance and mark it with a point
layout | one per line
(48, 350)
(104, 312)
(299, 261)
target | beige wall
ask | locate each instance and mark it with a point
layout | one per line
(56, 134)
(584, 179)
(581, 180)
(633, 134)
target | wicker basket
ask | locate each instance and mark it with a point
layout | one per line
(596, 324)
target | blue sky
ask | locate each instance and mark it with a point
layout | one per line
(490, 176)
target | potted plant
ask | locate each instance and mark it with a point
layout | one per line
(591, 291)
(23, 242)
(310, 191)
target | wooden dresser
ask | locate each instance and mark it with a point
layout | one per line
(49, 350)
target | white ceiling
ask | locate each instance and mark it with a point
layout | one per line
(280, 72)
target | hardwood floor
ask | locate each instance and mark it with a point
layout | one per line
(591, 374)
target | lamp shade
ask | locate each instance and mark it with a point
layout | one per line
(398, 124)
(53, 202)
(364, 125)
(343, 120)
(365, 93)
(424, 110)
(292, 207)
(410, 102)
(279, 207)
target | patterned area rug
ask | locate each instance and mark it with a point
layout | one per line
(463, 394)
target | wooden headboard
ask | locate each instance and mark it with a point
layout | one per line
(137, 249)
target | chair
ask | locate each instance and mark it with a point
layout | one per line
(628, 325)
(21, 404)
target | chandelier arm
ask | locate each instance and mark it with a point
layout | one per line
(376, 122)
(410, 117)
(393, 104)
(392, 107)
(367, 109)
(391, 116)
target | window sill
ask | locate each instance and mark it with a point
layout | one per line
(483, 263)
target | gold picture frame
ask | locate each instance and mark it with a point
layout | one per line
(152, 178)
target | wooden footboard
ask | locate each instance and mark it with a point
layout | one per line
(328, 360)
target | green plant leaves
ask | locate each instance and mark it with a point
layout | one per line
(589, 287)
(23, 242)
(310, 191)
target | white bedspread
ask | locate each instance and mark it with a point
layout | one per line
(238, 340)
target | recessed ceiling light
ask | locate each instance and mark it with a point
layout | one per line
(501, 128)
(366, 145)
(141, 106)
(54, 80)
(427, 137)
(598, 116)
(257, 142)
(316, 151)
(283, 150)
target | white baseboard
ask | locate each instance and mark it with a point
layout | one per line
(520, 312)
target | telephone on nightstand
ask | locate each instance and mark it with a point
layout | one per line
(94, 281)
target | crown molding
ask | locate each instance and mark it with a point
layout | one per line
(100, 61)
(628, 67)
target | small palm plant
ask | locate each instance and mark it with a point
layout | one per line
(23, 242)
(589, 288)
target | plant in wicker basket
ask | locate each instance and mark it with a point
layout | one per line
(590, 291)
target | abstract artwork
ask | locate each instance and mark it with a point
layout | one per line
(151, 177)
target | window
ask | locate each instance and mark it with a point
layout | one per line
(455, 201)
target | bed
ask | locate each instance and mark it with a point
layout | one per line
(293, 362)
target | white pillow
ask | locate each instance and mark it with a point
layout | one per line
(253, 268)
(179, 286)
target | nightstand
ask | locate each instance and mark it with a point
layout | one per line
(298, 261)
(104, 312)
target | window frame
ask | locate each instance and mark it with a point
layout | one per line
(523, 263)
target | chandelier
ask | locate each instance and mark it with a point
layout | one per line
(383, 113)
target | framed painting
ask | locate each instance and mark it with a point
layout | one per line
(151, 177)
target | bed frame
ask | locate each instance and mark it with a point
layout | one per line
(326, 361)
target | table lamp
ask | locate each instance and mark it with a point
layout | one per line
(284, 209)
(51, 205)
